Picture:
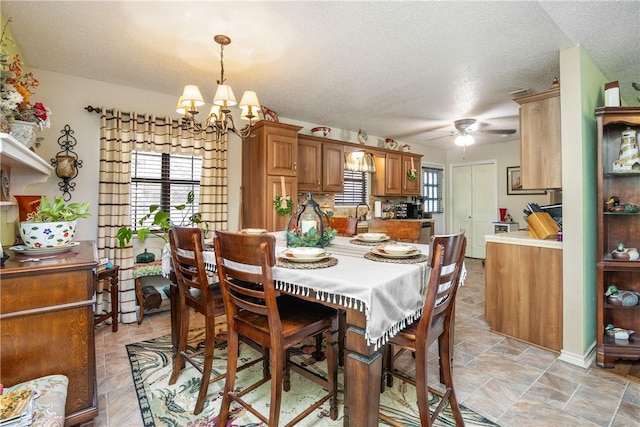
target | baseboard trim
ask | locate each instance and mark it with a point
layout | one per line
(583, 360)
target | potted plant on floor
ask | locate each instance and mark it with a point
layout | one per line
(52, 224)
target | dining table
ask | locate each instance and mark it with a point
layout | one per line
(380, 295)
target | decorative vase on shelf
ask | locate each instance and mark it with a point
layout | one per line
(25, 132)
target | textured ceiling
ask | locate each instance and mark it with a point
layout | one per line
(404, 70)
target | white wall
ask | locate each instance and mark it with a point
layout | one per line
(506, 153)
(67, 96)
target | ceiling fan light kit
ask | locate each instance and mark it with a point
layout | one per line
(464, 140)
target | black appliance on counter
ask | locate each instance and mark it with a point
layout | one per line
(409, 211)
(401, 211)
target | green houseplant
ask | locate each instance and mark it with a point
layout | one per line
(52, 224)
(161, 222)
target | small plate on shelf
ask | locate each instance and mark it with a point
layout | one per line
(23, 249)
(300, 258)
(379, 250)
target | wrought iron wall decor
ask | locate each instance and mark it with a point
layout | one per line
(66, 162)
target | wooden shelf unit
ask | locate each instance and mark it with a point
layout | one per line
(613, 228)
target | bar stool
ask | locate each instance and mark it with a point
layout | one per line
(112, 275)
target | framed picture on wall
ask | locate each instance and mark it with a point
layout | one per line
(514, 182)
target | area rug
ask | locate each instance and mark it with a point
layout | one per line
(165, 405)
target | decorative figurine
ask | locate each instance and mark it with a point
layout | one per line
(618, 333)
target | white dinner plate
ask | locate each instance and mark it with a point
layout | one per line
(290, 257)
(381, 252)
(366, 237)
(23, 249)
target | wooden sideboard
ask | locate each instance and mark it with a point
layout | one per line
(46, 315)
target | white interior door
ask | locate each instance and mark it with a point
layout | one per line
(474, 203)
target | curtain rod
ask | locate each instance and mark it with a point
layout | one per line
(91, 109)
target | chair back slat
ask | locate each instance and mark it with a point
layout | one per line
(244, 265)
(344, 226)
(443, 281)
(187, 244)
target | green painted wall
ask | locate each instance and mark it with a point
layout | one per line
(592, 82)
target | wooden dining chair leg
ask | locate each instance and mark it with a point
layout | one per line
(446, 365)
(318, 353)
(229, 383)
(342, 331)
(209, 347)
(178, 361)
(286, 375)
(332, 371)
(277, 368)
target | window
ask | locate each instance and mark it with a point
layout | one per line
(355, 189)
(165, 180)
(432, 189)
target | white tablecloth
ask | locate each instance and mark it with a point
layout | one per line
(391, 295)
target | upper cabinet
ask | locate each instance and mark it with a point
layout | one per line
(540, 140)
(392, 178)
(269, 157)
(320, 165)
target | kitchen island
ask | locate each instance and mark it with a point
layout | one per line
(523, 288)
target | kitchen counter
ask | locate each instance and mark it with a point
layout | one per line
(523, 300)
(522, 238)
(425, 235)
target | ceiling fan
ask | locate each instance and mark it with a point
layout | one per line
(466, 128)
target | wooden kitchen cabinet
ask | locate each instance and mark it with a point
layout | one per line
(320, 165)
(391, 177)
(410, 188)
(523, 300)
(269, 153)
(540, 140)
(332, 168)
(614, 228)
(46, 312)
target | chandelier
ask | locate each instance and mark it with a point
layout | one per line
(219, 120)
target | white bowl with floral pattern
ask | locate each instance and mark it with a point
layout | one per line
(39, 235)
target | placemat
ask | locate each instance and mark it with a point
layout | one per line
(327, 262)
(412, 260)
(363, 243)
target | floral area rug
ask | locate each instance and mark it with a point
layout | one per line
(162, 404)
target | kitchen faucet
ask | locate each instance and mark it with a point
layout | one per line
(363, 217)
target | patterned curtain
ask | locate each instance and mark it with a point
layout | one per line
(120, 134)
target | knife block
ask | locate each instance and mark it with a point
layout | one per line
(542, 226)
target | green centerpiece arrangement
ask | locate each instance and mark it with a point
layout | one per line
(309, 226)
(311, 238)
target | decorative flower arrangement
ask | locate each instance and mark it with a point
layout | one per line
(412, 174)
(295, 237)
(17, 88)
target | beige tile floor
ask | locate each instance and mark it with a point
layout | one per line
(507, 381)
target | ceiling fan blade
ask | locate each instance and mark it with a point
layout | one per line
(497, 131)
(433, 138)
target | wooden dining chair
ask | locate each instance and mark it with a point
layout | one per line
(436, 322)
(398, 229)
(256, 310)
(195, 291)
(344, 226)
